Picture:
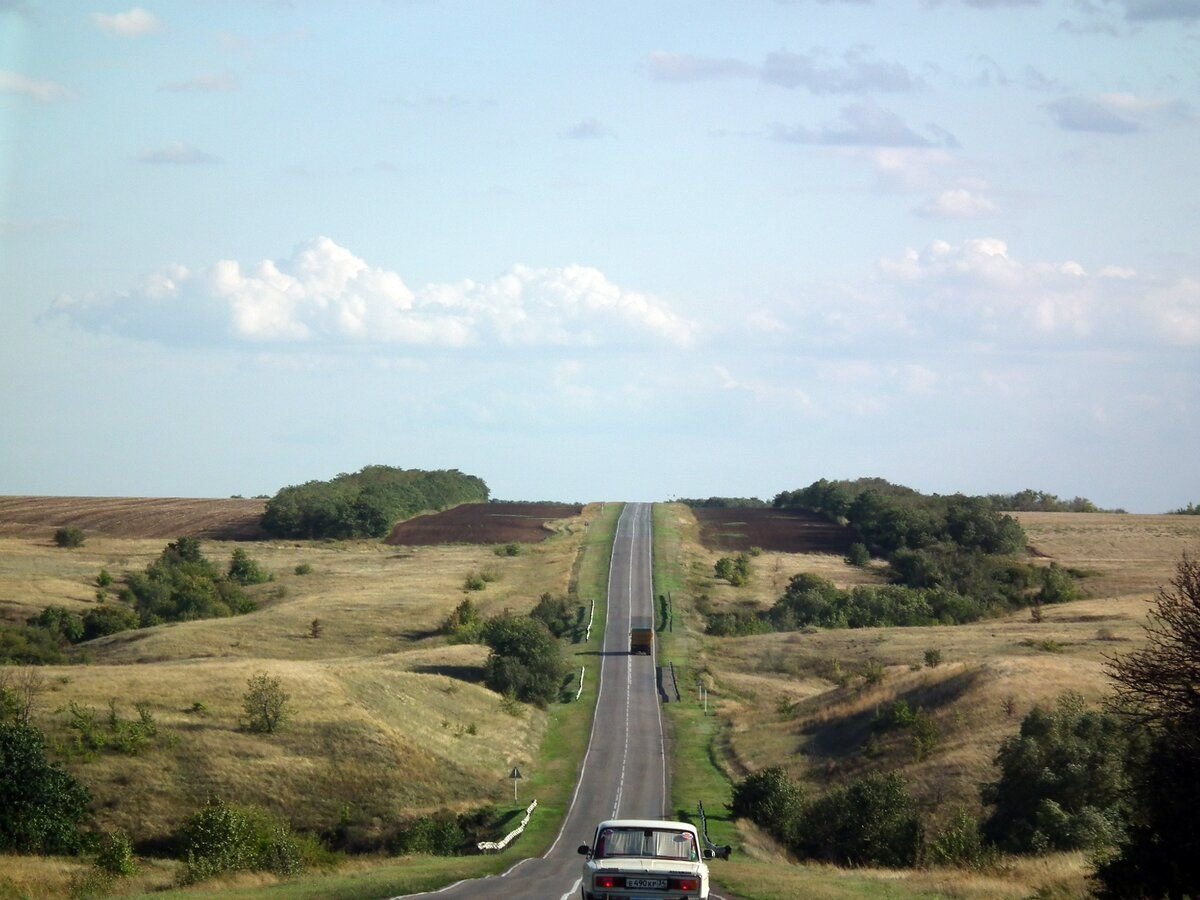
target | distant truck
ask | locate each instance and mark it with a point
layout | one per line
(644, 859)
(641, 636)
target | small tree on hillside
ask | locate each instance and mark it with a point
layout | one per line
(69, 537)
(41, 806)
(265, 703)
(526, 659)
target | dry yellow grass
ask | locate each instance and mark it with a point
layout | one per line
(781, 698)
(387, 718)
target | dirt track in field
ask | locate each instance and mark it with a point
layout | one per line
(133, 517)
(484, 523)
(785, 531)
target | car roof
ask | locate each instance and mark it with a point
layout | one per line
(647, 823)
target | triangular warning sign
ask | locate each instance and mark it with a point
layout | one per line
(516, 773)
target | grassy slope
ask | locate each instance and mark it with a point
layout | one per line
(779, 703)
(383, 713)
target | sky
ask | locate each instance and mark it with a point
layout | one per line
(602, 251)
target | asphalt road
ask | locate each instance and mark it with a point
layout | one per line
(624, 772)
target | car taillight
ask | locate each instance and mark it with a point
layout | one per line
(685, 884)
(605, 881)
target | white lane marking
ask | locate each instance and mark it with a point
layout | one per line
(599, 690)
(574, 888)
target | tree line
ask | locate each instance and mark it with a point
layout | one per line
(368, 503)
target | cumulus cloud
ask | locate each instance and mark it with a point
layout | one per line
(132, 23)
(864, 125)
(41, 91)
(180, 153)
(855, 72)
(979, 288)
(324, 294)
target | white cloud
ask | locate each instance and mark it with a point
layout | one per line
(957, 203)
(587, 129)
(325, 294)
(865, 125)
(132, 23)
(41, 91)
(977, 289)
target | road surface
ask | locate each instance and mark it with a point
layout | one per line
(624, 771)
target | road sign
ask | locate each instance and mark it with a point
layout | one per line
(515, 775)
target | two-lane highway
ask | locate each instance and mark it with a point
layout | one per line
(624, 772)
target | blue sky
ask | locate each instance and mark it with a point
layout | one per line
(602, 250)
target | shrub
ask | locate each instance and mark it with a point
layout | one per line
(858, 554)
(1057, 585)
(1063, 781)
(224, 838)
(182, 585)
(104, 579)
(556, 614)
(508, 550)
(265, 703)
(769, 798)
(69, 537)
(933, 658)
(525, 659)
(871, 821)
(244, 570)
(114, 855)
(41, 806)
(474, 582)
(959, 843)
(108, 620)
(303, 569)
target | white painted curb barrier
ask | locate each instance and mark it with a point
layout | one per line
(486, 846)
(582, 669)
(587, 635)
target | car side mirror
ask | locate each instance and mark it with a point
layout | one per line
(584, 849)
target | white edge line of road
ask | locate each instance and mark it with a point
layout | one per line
(587, 753)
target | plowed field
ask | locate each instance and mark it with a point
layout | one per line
(133, 517)
(770, 529)
(484, 523)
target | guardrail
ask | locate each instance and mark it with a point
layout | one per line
(587, 634)
(582, 669)
(719, 852)
(675, 683)
(492, 846)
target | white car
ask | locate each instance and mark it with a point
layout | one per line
(644, 859)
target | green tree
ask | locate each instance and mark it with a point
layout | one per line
(69, 536)
(871, 821)
(265, 703)
(244, 570)
(769, 798)
(41, 806)
(1064, 782)
(525, 660)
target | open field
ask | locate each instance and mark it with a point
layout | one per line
(790, 531)
(486, 523)
(800, 699)
(388, 719)
(132, 517)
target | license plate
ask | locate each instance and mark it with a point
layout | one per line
(654, 884)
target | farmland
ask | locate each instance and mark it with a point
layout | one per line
(388, 718)
(133, 517)
(484, 523)
(806, 700)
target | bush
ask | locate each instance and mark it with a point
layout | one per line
(115, 855)
(933, 658)
(525, 660)
(872, 821)
(1063, 781)
(769, 798)
(244, 570)
(265, 703)
(303, 569)
(108, 619)
(69, 537)
(508, 550)
(960, 844)
(224, 838)
(41, 806)
(182, 585)
(474, 582)
(556, 614)
(858, 554)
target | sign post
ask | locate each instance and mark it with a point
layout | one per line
(516, 776)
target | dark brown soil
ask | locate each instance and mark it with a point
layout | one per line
(786, 531)
(133, 517)
(483, 523)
